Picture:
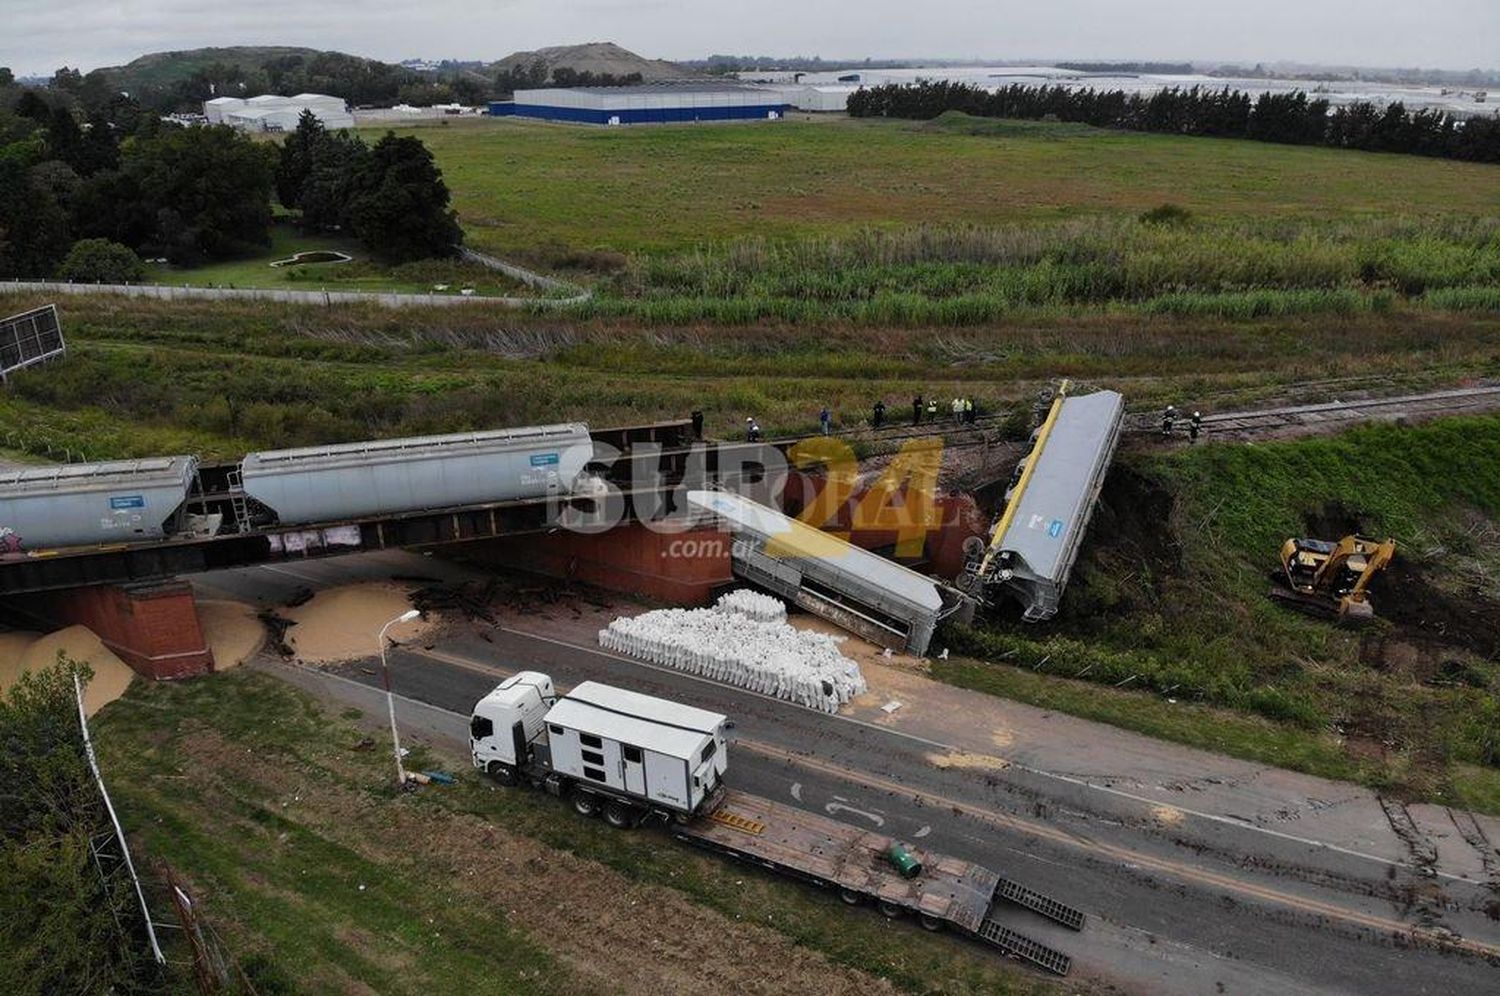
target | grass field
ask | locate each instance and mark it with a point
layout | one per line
(319, 878)
(524, 187)
(965, 222)
(361, 273)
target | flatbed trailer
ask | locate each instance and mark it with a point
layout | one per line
(947, 892)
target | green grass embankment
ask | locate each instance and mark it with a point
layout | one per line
(1169, 602)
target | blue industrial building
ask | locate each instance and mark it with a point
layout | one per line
(648, 104)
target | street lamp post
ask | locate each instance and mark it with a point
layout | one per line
(390, 699)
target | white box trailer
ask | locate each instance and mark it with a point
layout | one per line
(627, 753)
(585, 747)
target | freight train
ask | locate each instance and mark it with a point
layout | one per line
(164, 498)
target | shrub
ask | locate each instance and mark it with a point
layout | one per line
(101, 261)
(1167, 214)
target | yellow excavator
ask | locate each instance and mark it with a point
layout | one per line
(1332, 579)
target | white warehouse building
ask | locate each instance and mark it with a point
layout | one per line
(270, 112)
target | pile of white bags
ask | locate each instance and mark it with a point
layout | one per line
(753, 605)
(767, 657)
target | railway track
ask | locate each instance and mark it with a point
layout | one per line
(1334, 415)
(1330, 416)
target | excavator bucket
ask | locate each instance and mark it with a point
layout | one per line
(1352, 613)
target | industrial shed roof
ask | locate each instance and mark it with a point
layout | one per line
(657, 89)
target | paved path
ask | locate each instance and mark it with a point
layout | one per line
(327, 298)
(1186, 895)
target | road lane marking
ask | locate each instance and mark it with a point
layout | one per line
(1147, 801)
(1126, 856)
(1123, 855)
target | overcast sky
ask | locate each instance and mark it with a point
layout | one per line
(37, 36)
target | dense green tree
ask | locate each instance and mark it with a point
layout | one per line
(401, 211)
(7, 78)
(65, 927)
(37, 234)
(296, 161)
(425, 93)
(64, 137)
(208, 188)
(101, 261)
(339, 161)
(99, 150)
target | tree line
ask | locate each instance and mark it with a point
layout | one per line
(390, 196)
(1293, 118)
(86, 198)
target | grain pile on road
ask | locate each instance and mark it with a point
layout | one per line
(231, 631)
(342, 624)
(24, 652)
(767, 657)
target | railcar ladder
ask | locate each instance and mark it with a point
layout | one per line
(1050, 908)
(237, 501)
(1025, 948)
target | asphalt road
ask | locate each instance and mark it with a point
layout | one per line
(1220, 909)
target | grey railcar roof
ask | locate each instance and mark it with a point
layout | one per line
(1054, 502)
(802, 542)
(377, 450)
(73, 478)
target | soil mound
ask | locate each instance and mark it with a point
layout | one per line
(232, 631)
(342, 624)
(111, 675)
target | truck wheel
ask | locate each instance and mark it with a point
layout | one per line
(888, 909)
(584, 804)
(503, 773)
(850, 897)
(929, 922)
(619, 815)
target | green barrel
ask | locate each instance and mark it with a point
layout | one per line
(904, 861)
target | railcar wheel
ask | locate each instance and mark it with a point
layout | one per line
(584, 804)
(503, 773)
(619, 815)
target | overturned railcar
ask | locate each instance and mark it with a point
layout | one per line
(1035, 541)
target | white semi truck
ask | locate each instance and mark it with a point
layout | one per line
(606, 749)
(632, 757)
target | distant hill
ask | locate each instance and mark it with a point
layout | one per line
(177, 80)
(598, 58)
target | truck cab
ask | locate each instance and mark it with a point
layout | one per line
(509, 724)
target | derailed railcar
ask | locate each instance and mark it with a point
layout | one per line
(1036, 540)
(391, 476)
(82, 504)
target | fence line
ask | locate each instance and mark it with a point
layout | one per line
(326, 298)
